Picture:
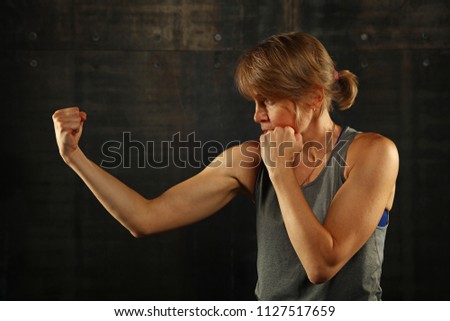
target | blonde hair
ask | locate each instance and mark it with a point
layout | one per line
(286, 66)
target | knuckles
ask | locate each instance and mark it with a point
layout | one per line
(68, 115)
(282, 132)
(66, 111)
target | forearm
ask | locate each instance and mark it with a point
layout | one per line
(123, 203)
(313, 244)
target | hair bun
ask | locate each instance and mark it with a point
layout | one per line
(346, 89)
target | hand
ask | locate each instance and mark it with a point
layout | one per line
(68, 124)
(280, 148)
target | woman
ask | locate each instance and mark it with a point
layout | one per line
(322, 192)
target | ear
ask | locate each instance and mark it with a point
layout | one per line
(314, 97)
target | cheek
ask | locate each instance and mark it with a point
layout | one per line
(284, 119)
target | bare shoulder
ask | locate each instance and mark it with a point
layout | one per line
(242, 163)
(370, 141)
(245, 155)
(372, 150)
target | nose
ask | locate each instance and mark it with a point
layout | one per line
(260, 113)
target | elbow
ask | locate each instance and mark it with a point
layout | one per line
(320, 274)
(139, 232)
(139, 228)
(136, 234)
(321, 269)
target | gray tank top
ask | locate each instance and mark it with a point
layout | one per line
(281, 276)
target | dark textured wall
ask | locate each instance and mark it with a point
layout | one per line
(157, 68)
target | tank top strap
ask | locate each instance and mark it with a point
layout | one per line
(339, 154)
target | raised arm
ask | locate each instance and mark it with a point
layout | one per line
(188, 202)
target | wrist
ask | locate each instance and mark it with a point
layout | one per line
(71, 157)
(281, 174)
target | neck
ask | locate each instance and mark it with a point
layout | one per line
(317, 128)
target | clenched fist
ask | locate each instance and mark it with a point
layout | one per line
(280, 148)
(68, 124)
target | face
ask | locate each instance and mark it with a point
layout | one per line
(275, 113)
